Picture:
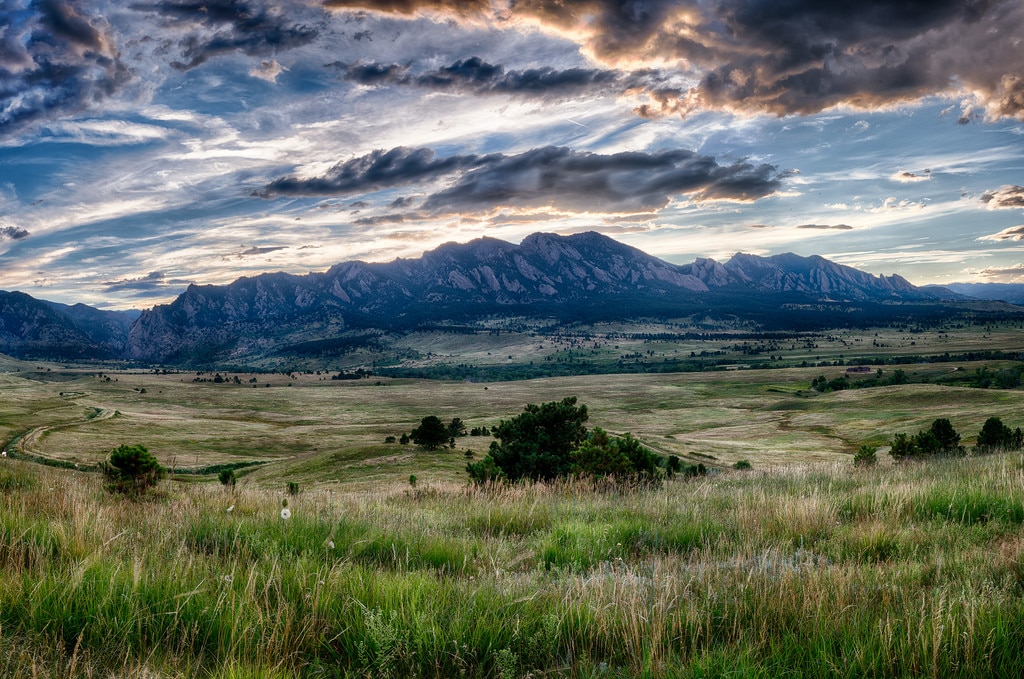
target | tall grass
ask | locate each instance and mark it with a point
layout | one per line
(811, 572)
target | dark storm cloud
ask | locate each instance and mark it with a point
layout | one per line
(460, 7)
(544, 177)
(1006, 197)
(826, 227)
(233, 26)
(590, 182)
(476, 76)
(53, 61)
(377, 170)
(13, 233)
(798, 56)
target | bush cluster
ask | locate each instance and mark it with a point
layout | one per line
(550, 441)
(941, 439)
(432, 433)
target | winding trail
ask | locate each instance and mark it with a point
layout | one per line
(27, 443)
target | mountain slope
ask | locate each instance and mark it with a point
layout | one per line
(30, 327)
(578, 277)
(1005, 292)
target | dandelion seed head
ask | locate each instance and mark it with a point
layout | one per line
(330, 544)
(286, 513)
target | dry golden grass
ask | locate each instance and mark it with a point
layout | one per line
(318, 430)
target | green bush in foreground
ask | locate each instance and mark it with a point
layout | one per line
(131, 470)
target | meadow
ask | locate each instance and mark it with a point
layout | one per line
(804, 566)
(804, 571)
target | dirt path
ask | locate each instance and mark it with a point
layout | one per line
(28, 443)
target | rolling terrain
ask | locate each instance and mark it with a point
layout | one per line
(389, 563)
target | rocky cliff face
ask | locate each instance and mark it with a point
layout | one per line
(545, 272)
(818, 277)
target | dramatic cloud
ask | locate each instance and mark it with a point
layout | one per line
(377, 170)
(545, 177)
(1010, 274)
(53, 61)
(477, 77)
(785, 57)
(234, 26)
(1012, 233)
(1007, 197)
(826, 227)
(13, 233)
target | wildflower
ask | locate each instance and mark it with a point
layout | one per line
(286, 513)
(330, 544)
(231, 509)
(4, 453)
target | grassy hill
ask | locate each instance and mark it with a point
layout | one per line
(807, 571)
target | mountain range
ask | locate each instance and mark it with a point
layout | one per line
(585, 277)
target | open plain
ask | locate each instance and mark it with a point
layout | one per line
(804, 565)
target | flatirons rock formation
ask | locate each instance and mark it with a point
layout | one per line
(578, 277)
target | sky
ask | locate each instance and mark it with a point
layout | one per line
(148, 145)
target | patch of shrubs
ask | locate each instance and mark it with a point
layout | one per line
(550, 441)
(941, 439)
(131, 470)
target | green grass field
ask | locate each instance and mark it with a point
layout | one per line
(805, 566)
(804, 571)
